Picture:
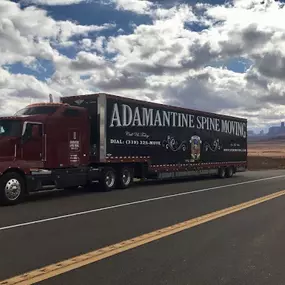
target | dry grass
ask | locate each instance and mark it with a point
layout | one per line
(266, 155)
(268, 149)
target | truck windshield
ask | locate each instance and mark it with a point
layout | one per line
(11, 128)
(37, 110)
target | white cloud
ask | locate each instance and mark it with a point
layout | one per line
(89, 45)
(158, 47)
(84, 63)
(168, 63)
(54, 2)
(30, 32)
(26, 89)
(164, 61)
(137, 6)
(87, 61)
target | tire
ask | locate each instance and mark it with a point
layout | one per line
(125, 178)
(12, 188)
(108, 179)
(222, 172)
(229, 172)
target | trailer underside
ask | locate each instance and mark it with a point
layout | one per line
(82, 176)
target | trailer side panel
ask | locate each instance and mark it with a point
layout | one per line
(138, 130)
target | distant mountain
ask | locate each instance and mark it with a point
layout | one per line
(274, 133)
(265, 138)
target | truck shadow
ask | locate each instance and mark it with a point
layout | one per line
(63, 193)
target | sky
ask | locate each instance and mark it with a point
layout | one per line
(218, 56)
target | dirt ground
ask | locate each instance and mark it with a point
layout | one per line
(266, 155)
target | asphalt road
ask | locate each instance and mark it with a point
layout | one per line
(241, 248)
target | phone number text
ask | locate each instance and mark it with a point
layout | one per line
(134, 142)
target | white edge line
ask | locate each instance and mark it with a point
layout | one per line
(134, 203)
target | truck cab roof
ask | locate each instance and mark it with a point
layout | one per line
(40, 109)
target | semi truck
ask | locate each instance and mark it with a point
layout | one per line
(106, 141)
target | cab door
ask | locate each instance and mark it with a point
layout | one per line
(32, 143)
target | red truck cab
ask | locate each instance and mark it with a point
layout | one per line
(40, 148)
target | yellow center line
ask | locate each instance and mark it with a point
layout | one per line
(67, 265)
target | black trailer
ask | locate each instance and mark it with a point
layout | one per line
(149, 140)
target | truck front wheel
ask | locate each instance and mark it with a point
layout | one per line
(125, 178)
(12, 188)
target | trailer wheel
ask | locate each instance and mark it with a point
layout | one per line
(12, 188)
(108, 179)
(222, 172)
(125, 178)
(229, 172)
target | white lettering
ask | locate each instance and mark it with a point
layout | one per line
(217, 125)
(174, 114)
(225, 126)
(199, 122)
(234, 128)
(179, 120)
(204, 122)
(191, 121)
(115, 117)
(127, 115)
(157, 119)
(166, 118)
(137, 118)
(147, 117)
(185, 120)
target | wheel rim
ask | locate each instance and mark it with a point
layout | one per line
(110, 179)
(13, 189)
(126, 177)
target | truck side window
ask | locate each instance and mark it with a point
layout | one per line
(71, 113)
(29, 129)
(40, 130)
